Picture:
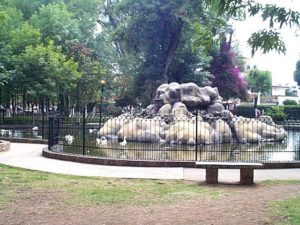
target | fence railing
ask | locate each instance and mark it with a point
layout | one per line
(169, 137)
(179, 138)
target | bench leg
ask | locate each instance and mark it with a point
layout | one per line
(246, 177)
(211, 176)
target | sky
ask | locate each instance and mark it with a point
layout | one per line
(281, 66)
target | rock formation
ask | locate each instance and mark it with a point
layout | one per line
(188, 114)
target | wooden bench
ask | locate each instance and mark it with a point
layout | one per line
(246, 170)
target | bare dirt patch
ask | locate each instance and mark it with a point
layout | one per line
(239, 205)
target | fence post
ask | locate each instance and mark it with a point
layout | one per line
(43, 119)
(196, 149)
(83, 132)
(51, 131)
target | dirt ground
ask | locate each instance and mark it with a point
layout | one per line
(239, 205)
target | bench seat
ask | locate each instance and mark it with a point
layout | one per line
(212, 170)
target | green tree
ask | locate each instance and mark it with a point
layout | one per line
(28, 8)
(44, 72)
(259, 81)
(23, 36)
(266, 39)
(297, 73)
(56, 23)
(10, 19)
(157, 38)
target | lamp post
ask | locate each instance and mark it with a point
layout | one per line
(102, 83)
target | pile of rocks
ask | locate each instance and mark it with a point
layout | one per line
(172, 119)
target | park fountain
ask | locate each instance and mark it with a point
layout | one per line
(188, 114)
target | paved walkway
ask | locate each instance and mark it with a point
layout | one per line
(29, 156)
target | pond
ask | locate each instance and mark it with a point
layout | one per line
(286, 151)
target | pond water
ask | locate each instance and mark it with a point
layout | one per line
(286, 151)
(22, 133)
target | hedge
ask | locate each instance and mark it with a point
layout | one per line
(291, 111)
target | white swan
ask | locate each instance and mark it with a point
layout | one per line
(69, 139)
(35, 129)
(92, 131)
(124, 142)
(101, 141)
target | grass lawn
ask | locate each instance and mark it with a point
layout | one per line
(89, 190)
(21, 189)
(287, 210)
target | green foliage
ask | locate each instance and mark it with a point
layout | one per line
(297, 73)
(289, 102)
(24, 36)
(266, 40)
(143, 42)
(157, 38)
(259, 81)
(46, 70)
(56, 23)
(276, 112)
(29, 7)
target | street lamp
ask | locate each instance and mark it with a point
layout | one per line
(102, 83)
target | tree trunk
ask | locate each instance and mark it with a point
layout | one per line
(172, 47)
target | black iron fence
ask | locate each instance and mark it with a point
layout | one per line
(23, 125)
(169, 137)
(177, 138)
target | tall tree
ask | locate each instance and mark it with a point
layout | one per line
(56, 23)
(297, 73)
(45, 72)
(260, 81)
(152, 32)
(227, 76)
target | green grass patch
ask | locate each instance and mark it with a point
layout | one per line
(89, 190)
(287, 211)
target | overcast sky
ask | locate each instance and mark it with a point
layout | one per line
(281, 66)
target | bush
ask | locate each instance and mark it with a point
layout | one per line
(289, 102)
(276, 112)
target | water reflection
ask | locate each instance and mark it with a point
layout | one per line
(263, 152)
(18, 133)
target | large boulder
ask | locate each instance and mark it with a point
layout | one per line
(221, 132)
(165, 110)
(209, 95)
(172, 93)
(216, 107)
(160, 93)
(179, 109)
(112, 126)
(190, 95)
(184, 132)
(251, 130)
(141, 130)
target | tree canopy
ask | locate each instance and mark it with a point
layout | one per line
(260, 81)
(57, 51)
